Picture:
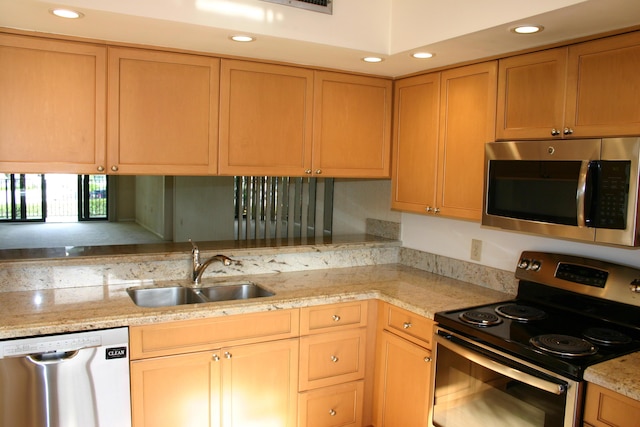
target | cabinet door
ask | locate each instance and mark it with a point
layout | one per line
(163, 113)
(176, 391)
(531, 91)
(351, 126)
(415, 142)
(467, 122)
(605, 408)
(265, 119)
(603, 87)
(259, 384)
(52, 106)
(403, 373)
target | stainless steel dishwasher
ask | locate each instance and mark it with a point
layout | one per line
(71, 380)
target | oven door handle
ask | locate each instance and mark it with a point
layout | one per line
(501, 369)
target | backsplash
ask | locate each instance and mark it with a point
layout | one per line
(148, 269)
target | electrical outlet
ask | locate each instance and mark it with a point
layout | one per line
(476, 249)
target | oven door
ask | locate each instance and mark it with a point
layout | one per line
(473, 385)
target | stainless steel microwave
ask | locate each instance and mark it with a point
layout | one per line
(583, 189)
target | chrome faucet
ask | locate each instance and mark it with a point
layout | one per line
(198, 267)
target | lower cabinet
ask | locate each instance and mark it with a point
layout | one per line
(606, 408)
(403, 369)
(244, 383)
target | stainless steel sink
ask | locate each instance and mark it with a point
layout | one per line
(245, 290)
(167, 296)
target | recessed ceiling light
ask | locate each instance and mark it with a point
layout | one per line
(242, 38)
(372, 59)
(527, 29)
(422, 55)
(67, 13)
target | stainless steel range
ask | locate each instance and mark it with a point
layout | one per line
(521, 362)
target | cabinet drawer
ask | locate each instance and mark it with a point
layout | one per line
(332, 358)
(333, 317)
(206, 334)
(337, 406)
(415, 328)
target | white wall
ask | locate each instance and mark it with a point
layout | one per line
(500, 249)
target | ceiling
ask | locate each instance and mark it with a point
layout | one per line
(455, 30)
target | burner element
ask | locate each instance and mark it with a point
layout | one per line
(563, 345)
(480, 318)
(522, 313)
(606, 336)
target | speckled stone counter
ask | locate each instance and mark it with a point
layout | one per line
(620, 375)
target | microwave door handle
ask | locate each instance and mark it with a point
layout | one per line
(587, 190)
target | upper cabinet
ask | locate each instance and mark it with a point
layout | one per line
(163, 113)
(52, 106)
(289, 121)
(584, 90)
(265, 119)
(442, 122)
(351, 125)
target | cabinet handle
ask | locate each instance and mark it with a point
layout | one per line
(428, 209)
(555, 132)
(427, 359)
(318, 171)
(227, 355)
(100, 168)
(334, 359)
(332, 412)
(114, 168)
(406, 325)
(436, 211)
(336, 318)
(216, 358)
(568, 131)
(307, 171)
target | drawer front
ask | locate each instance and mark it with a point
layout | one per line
(332, 358)
(206, 334)
(415, 328)
(326, 318)
(334, 406)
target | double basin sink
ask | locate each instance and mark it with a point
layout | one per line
(167, 296)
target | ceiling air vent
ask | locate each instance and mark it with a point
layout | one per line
(324, 6)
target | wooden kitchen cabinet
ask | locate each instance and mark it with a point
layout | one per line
(163, 112)
(588, 89)
(439, 140)
(231, 371)
(265, 119)
(403, 368)
(606, 408)
(52, 106)
(334, 355)
(351, 126)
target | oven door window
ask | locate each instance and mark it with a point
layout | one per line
(468, 394)
(544, 191)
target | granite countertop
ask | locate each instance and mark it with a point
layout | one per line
(52, 311)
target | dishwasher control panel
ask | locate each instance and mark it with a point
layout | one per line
(23, 347)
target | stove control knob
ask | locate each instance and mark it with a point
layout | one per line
(635, 286)
(524, 264)
(535, 265)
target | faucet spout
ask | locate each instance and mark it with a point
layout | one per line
(200, 267)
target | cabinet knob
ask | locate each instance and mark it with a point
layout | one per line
(318, 171)
(334, 359)
(567, 131)
(227, 355)
(114, 168)
(436, 210)
(406, 325)
(332, 412)
(100, 168)
(427, 359)
(335, 318)
(216, 358)
(555, 132)
(429, 209)
(307, 171)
